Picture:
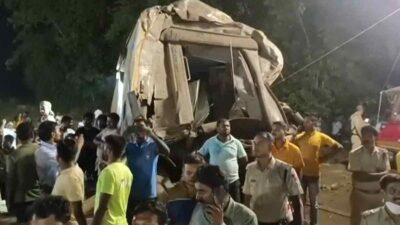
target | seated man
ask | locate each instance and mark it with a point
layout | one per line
(180, 198)
(52, 210)
(215, 204)
(150, 213)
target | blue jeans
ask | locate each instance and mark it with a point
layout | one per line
(311, 186)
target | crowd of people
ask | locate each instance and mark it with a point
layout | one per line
(48, 168)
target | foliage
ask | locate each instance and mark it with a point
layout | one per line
(68, 48)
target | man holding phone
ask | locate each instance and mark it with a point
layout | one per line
(216, 207)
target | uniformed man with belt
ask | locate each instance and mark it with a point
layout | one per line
(269, 183)
(389, 214)
(368, 164)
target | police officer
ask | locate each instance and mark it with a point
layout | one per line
(389, 214)
(368, 164)
(269, 183)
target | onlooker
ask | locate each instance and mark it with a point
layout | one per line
(227, 152)
(113, 186)
(310, 143)
(22, 179)
(337, 127)
(142, 157)
(269, 183)
(356, 123)
(389, 214)
(87, 156)
(101, 122)
(368, 164)
(51, 210)
(180, 199)
(111, 129)
(66, 126)
(46, 156)
(215, 204)
(46, 113)
(70, 182)
(150, 212)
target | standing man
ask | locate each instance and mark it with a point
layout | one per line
(142, 157)
(310, 143)
(389, 214)
(70, 182)
(227, 152)
(111, 129)
(215, 204)
(87, 157)
(46, 156)
(113, 186)
(368, 164)
(22, 180)
(269, 183)
(46, 112)
(356, 123)
(180, 199)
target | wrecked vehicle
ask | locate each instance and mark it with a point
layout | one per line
(187, 65)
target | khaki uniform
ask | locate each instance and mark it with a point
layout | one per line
(366, 195)
(269, 190)
(379, 216)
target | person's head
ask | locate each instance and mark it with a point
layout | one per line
(310, 122)
(66, 151)
(223, 127)
(278, 129)
(191, 164)
(263, 142)
(88, 119)
(24, 131)
(360, 107)
(112, 120)
(51, 210)
(211, 186)
(150, 213)
(66, 121)
(140, 123)
(115, 146)
(390, 184)
(101, 121)
(48, 132)
(368, 136)
(45, 108)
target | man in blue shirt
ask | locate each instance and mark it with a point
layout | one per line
(142, 156)
(226, 152)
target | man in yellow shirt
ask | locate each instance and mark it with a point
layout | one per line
(113, 186)
(310, 143)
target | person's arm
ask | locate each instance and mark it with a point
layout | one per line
(335, 148)
(11, 185)
(298, 210)
(78, 212)
(242, 155)
(295, 191)
(102, 209)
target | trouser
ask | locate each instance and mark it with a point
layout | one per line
(311, 186)
(361, 201)
(234, 190)
(23, 211)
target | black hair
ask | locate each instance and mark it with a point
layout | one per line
(222, 120)
(116, 143)
(140, 119)
(9, 137)
(211, 176)
(66, 119)
(66, 150)
(45, 129)
(279, 123)
(194, 159)
(153, 207)
(102, 117)
(114, 117)
(266, 136)
(24, 131)
(55, 206)
(89, 115)
(369, 129)
(388, 179)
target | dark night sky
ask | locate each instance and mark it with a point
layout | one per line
(11, 81)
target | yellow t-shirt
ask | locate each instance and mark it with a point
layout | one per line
(70, 185)
(290, 154)
(310, 146)
(115, 180)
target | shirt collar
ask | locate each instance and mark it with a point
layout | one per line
(229, 141)
(270, 165)
(285, 145)
(47, 145)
